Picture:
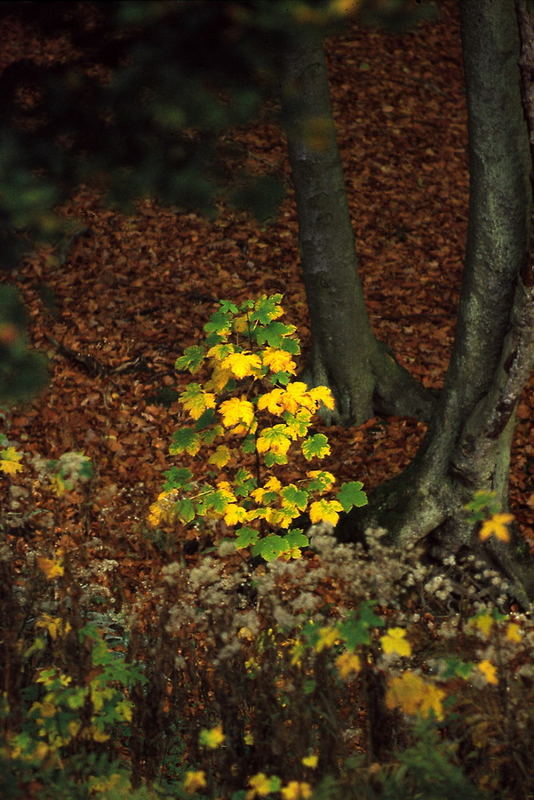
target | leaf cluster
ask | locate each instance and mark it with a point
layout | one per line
(256, 414)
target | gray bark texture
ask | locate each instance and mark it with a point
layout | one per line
(467, 447)
(362, 373)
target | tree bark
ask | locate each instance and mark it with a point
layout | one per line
(361, 371)
(467, 447)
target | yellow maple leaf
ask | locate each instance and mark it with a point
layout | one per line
(221, 456)
(212, 737)
(413, 695)
(195, 400)
(489, 671)
(278, 360)
(236, 410)
(225, 488)
(242, 364)
(513, 632)
(328, 636)
(496, 526)
(219, 351)
(51, 568)
(327, 479)
(260, 785)
(219, 378)
(296, 396)
(296, 790)
(9, 461)
(310, 761)
(233, 514)
(347, 663)
(194, 779)
(484, 622)
(54, 625)
(272, 401)
(322, 394)
(394, 641)
(325, 511)
(273, 439)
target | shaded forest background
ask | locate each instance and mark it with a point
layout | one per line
(115, 310)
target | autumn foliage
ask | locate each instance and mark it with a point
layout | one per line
(311, 670)
(249, 357)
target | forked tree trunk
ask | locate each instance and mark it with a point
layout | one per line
(346, 356)
(467, 447)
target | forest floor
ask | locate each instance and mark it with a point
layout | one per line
(136, 290)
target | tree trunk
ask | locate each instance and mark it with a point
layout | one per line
(346, 356)
(467, 447)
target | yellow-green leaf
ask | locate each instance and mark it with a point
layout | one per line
(195, 400)
(9, 461)
(325, 511)
(413, 695)
(221, 456)
(211, 737)
(274, 439)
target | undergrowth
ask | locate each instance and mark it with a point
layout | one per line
(280, 663)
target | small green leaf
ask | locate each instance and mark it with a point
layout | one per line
(191, 359)
(184, 440)
(315, 446)
(185, 510)
(295, 497)
(246, 537)
(178, 478)
(271, 459)
(296, 538)
(456, 668)
(265, 309)
(206, 419)
(248, 444)
(227, 307)
(271, 547)
(219, 323)
(276, 334)
(244, 482)
(281, 378)
(351, 495)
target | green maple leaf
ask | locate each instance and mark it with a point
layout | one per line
(296, 538)
(248, 444)
(184, 440)
(227, 307)
(185, 510)
(271, 547)
(244, 482)
(276, 334)
(246, 537)
(295, 497)
(351, 495)
(281, 378)
(271, 459)
(315, 447)
(265, 309)
(178, 478)
(212, 500)
(207, 418)
(354, 631)
(191, 359)
(219, 323)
